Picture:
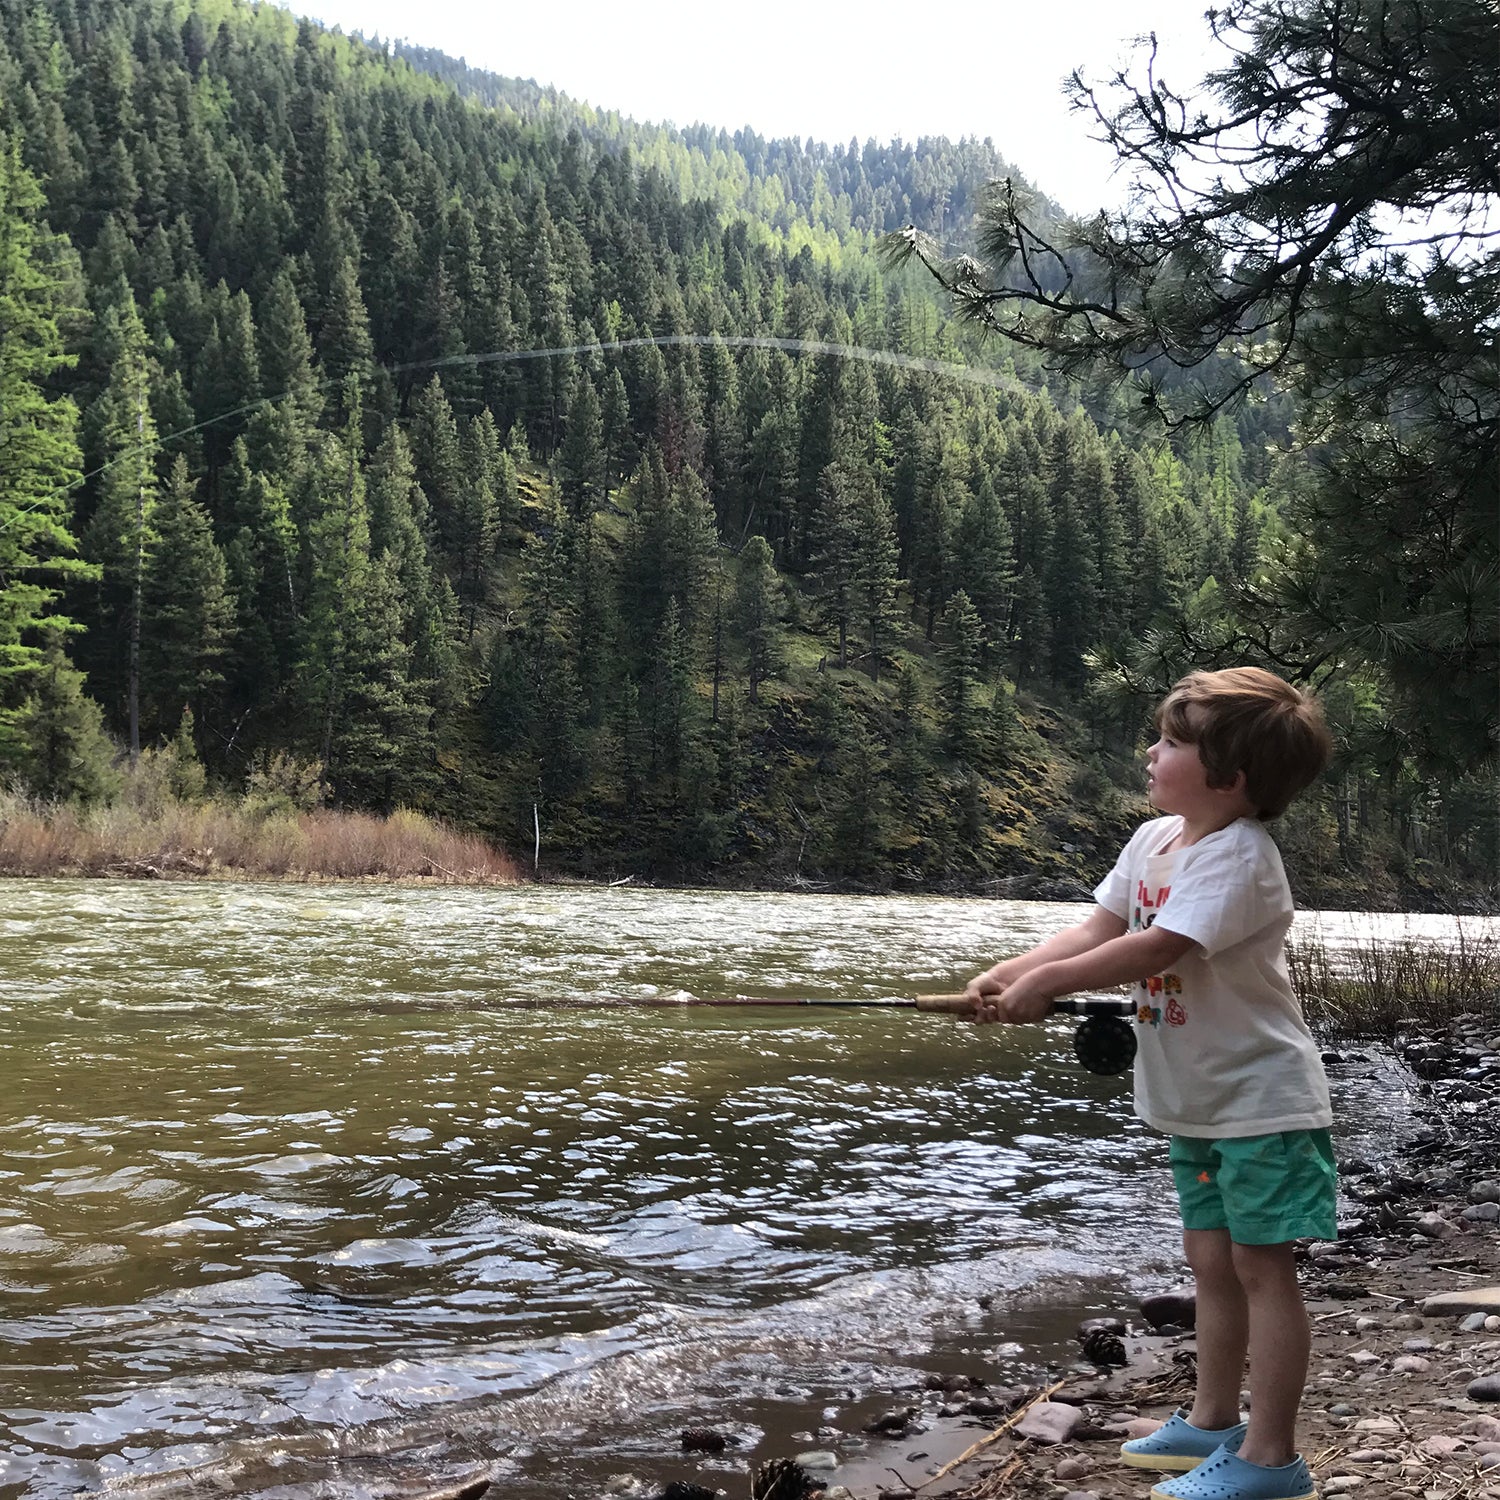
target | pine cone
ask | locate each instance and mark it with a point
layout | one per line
(780, 1479)
(1101, 1347)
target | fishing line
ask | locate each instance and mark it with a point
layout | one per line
(970, 374)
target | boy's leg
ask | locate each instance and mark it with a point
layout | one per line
(1279, 1341)
(1222, 1327)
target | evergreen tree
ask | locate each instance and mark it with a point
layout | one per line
(963, 645)
(64, 753)
(185, 600)
(39, 458)
(758, 613)
(122, 534)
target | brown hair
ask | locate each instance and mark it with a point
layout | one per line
(1245, 719)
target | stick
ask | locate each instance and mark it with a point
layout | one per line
(1000, 1431)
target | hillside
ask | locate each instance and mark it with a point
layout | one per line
(531, 468)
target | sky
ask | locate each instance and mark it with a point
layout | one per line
(813, 68)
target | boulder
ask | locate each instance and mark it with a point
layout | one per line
(1179, 1308)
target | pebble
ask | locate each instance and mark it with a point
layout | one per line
(1418, 1346)
(818, 1458)
(1342, 1484)
(1080, 1495)
(1474, 1323)
(1071, 1468)
(1343, 1409)
(1411, 1364)
(1369, 1456)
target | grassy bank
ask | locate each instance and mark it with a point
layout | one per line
(174, 839)
(1380, 988)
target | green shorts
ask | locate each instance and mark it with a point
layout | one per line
(1264, 1189)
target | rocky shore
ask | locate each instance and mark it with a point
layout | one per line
(1403, 1395)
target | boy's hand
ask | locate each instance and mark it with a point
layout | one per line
(1021, 1001)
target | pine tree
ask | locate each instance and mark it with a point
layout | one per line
(963, 645)
(62, 750)
(581, 458)
(39, 457)
(185, 600)
(758, 604)
(875, 579)
(122, 534)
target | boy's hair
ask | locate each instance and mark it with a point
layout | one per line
(1245, 719)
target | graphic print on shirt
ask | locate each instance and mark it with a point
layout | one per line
(1147, 903)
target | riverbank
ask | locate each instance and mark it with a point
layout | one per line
(1403, 1396)
(208, 840)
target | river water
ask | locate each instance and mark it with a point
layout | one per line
(317, 1191)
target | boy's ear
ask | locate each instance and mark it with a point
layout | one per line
(1234, 787)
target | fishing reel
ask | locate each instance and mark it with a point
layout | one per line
(1105, 1039)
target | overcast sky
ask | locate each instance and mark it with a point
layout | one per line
(812, 68)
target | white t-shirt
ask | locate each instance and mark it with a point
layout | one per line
(1223, 1049)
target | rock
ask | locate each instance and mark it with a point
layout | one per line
(1070, 1469)
(1343, 1409)
(1344, 1291)
(627, 1485)
(1492, 1324)
(470, 1489)
(1049, 1422)
(818, 1458)
(1481, 1213)
(901, 1494)
(1343, 1484)
(702, 1440)
(1485, 1192)
(1103, 1325)
(895, 1423)
(681, 1489)
(1441, 1446)
(1417, 1346)
(1486, 1388)
(1080, 1495)
(1435, 1227)
(1139, 1427)
(1369, 1456)
(1469, 1299)
(1487, 1429)
(1179, 1308)
(1411, 1364)
(1378, 1424)
(950, 1383)
(1474, 1323)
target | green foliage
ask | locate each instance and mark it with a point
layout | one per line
(637, 612)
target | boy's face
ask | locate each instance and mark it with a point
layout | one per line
(1177, 780)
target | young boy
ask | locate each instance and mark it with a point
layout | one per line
(1195, 914)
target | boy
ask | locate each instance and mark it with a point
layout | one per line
(1195, 914)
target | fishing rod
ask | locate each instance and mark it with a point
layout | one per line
(1104, 1041)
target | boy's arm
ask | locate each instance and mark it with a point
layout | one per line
(1098, 927)
(1121, 960)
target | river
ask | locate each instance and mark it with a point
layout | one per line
(317, 1190)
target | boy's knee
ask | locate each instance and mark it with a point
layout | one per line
(1265, 1267)
(1209, 1253)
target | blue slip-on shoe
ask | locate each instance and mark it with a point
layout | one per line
(1226, 1476)
(1178, 1445)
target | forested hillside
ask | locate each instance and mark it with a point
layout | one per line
(542, 470)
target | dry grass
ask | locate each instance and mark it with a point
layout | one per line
(173, 838)
(1381, 987)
